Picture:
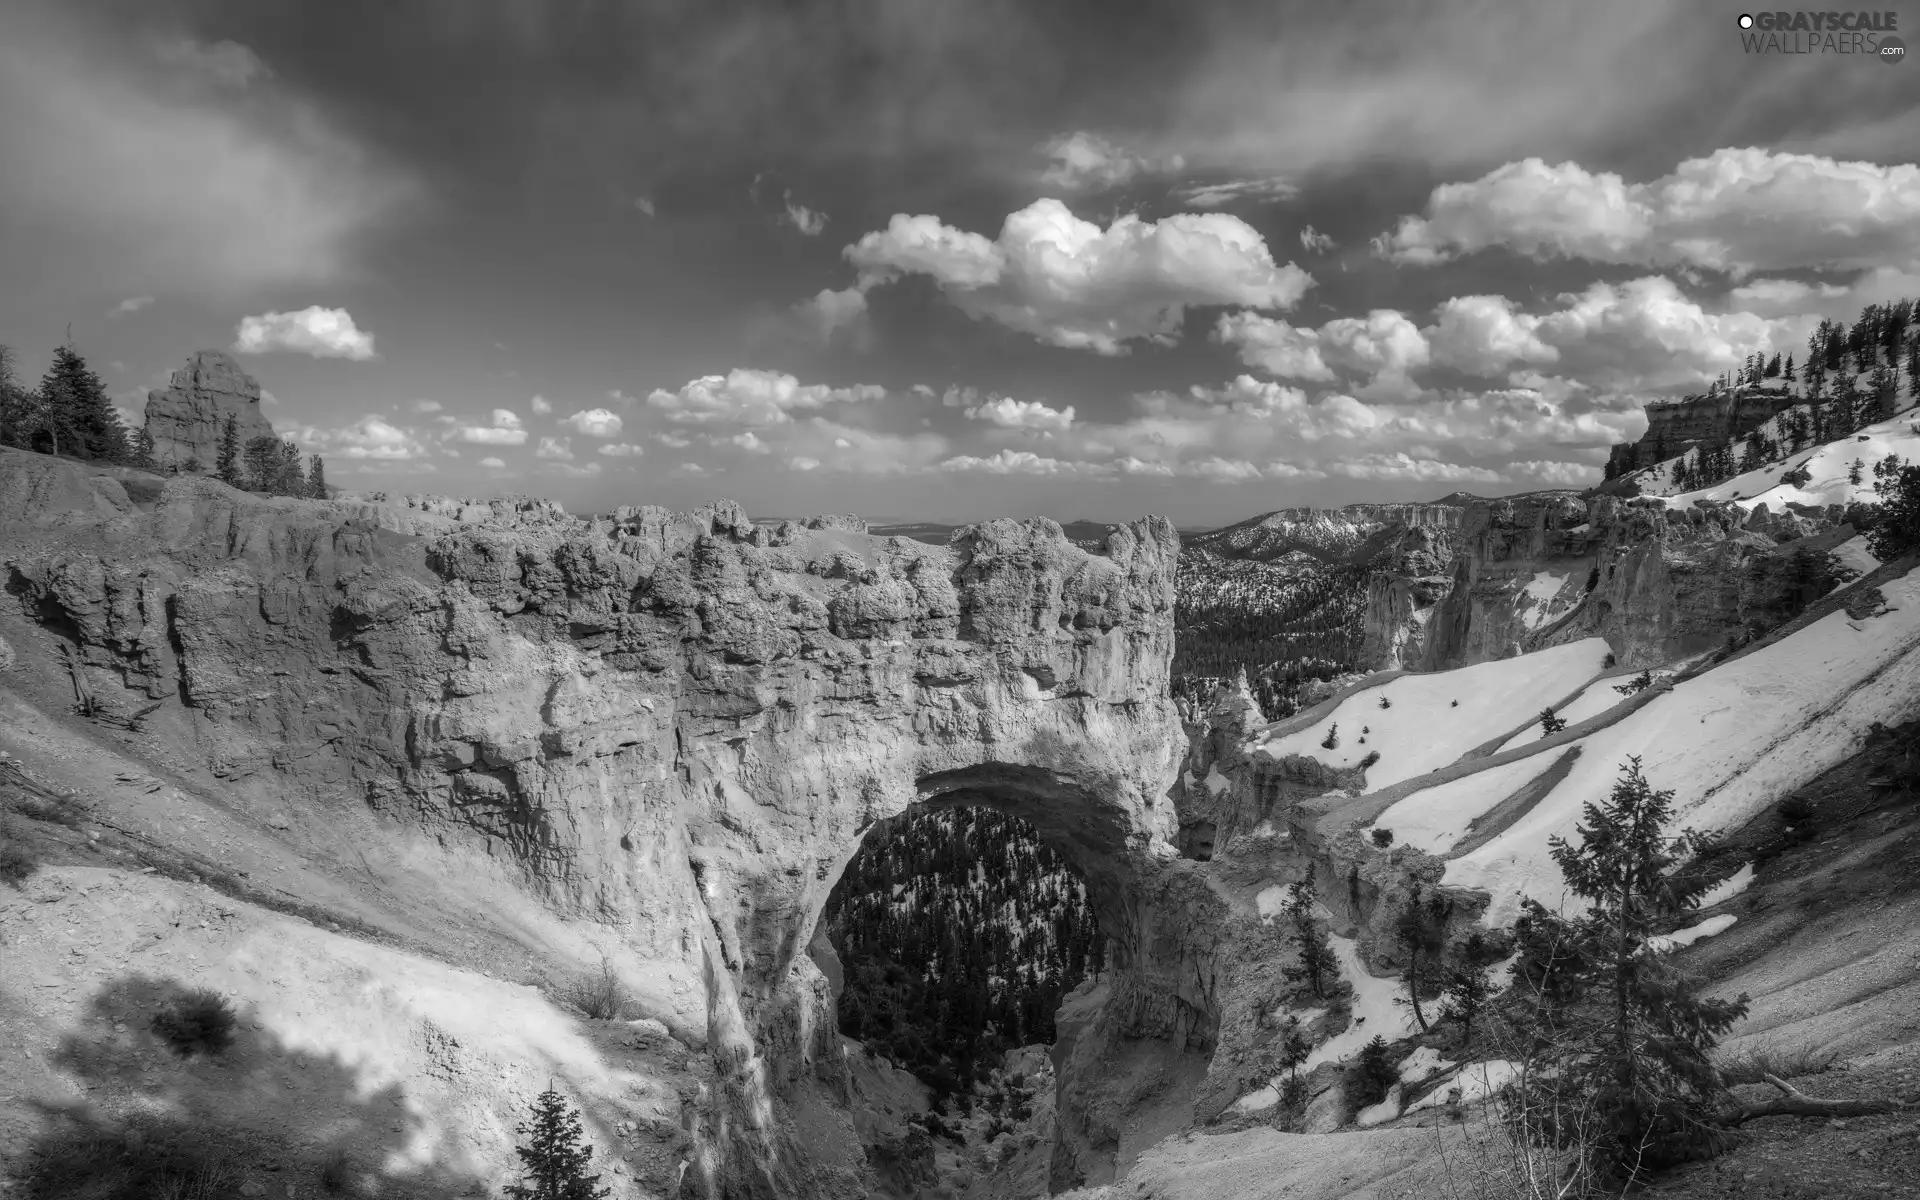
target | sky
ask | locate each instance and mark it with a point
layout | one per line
(945, 259)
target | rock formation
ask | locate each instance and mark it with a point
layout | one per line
(1676, 426)
(186, 417)
(674, 724)
(1658, 584)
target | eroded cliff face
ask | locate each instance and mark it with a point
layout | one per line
(1658, 584)
(678, 725)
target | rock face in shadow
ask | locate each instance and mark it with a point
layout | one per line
(186, 417)
(679, 724)
(1657, 583)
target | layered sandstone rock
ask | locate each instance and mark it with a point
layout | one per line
(185, 419)
(1676, 426)
(678, 725)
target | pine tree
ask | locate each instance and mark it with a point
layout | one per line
(143, 449)
(1898, 531)
(263, 462)
(1645, 1062)
(79, 415)
(1468, 988)
(1787, 372)
(1317, 963)
(1550, 724)
(227, 466)
(554, 1160)
(20, 414)
(1373, 1073)
(316, 479)
(1853, 471)
(1420, 929)
(1772, 370)
(1913, 367)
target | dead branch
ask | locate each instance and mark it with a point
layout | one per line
(1796, 1103)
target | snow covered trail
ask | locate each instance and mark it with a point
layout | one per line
(1423, 729)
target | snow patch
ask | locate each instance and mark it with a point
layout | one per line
(1729, 887)
(1377, 1009)
(1433, 819)
(1475, 1081)
(1828, 468)
(1424, 1061)
(1215, 781)
(1692, 933)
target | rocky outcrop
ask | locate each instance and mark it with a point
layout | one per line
(185, 418)
(1676, 426)
(677, 725)
(1657, 583)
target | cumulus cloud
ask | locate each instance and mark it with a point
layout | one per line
(316, 331)
(370, 437)
(131, 304)
(1403, 466)
(1384, 347)
(1082, 161)
(1021, 462)
(424, 407)
(644, 205)
(557, 449)
(506, 430)
(1315, 242)
(1030, 415)
(1783, 294)
(1484, 335)
(1735, 210)
(621, 450)
(587, 470)
(152, 171)
(492, 463)
(1226, 192)
(541, 406)
(594, 422)
(751, 397)
(1068, 282)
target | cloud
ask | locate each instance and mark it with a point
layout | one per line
(594, 422)
(492, 463)
(316, 331)
(1402, 466)
(621, 450)
(1784, 294)
(506, 430)
(751, 398)
(150, 174)
(643, 204)
(1082, 161)
(808, 221)
(586, 470)
(846, 449)
(1384, 347)
(540, 405)
(1235, 191)
(227, 63)
(1483, 335)
(1070, 283)
(1315, 242)
(1030, 415)
(424, 407)
(371, 437)
(829, 315)
(1735, 210)
(131, 304)
(1017, 462)
(268, 399)
(557, 449)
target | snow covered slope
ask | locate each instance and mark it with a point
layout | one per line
(1424, 730)
(1829, 466)
(1728, 742)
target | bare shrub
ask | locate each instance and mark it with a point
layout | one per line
(200, 1021)
(597, 993)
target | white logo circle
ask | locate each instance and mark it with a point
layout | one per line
(1746, 21)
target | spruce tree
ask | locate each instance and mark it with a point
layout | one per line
(227, 466)
(143, 449)
(1643, 1058)
(78, 412)
(554, 1160)
(263, 462)
(19, 408)
(1549, 723)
